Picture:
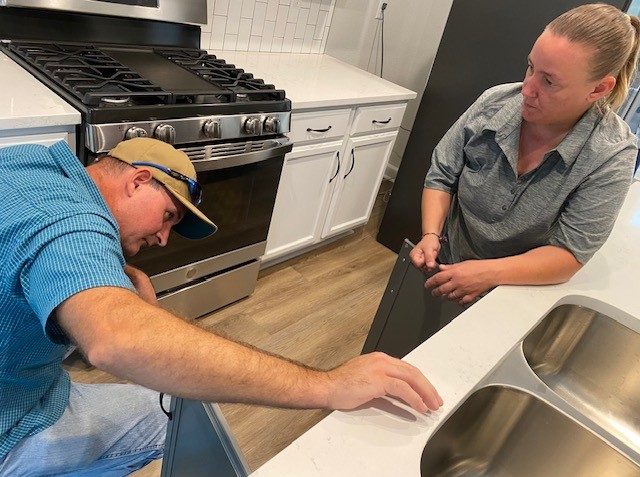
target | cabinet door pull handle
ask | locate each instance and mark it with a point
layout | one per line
(320, 130)
(375, 121)
(337, 170)
(353, 163)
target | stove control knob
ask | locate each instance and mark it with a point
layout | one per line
(272, 124)
(211, 129)
(135, 132)
(253, 126)
(166, 133)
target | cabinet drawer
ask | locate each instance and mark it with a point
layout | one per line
(378, 118)
(44, 139)
(318, 125)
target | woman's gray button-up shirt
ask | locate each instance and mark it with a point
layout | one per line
(571, 200)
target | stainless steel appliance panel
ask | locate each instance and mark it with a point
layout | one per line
(193, 271)
(213, 293)
(182, 11)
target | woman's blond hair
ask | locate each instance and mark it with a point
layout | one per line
(614, 37)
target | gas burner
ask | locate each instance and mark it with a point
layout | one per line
(221, 73)
(112, 83)
(88, 72)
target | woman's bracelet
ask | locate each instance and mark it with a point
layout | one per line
(441, 238)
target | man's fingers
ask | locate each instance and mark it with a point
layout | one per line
(399, 389)
(418, 383)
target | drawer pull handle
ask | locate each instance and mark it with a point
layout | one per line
(320, 130)
(353, 163)
(375, 121)
(338, 170)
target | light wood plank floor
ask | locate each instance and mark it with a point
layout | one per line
(316, 308)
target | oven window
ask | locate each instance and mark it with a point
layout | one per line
(239, 200)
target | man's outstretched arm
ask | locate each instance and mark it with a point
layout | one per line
(123, 335)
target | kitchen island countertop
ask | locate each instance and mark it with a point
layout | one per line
(26, 103)
(384, 440)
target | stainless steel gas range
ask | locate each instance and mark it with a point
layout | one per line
(132, 77)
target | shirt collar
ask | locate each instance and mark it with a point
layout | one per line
(74, 169)
(574, 141)
(506, 125)
(509, 118)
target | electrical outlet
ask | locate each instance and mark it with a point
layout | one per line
(381, 6)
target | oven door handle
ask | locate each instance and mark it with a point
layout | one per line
(279, 148)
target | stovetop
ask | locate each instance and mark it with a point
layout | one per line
(111, 83)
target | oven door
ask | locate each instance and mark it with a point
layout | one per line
(239, 182)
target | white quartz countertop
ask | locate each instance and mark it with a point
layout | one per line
(383, 439)
(26, 103)
(317, 81)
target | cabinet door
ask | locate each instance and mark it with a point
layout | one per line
(362, 169)
(308, 176)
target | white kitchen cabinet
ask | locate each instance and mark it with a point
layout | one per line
(374, 119)
(331, 178)
(13, 138)
(320, 125)
(307, 179)
(363, 164)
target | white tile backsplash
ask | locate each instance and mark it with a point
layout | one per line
(291, 26)
(259, 15)
(272, 10)
(247, 8)
(233, 18)
(221, 7)
(281, 21)
(244, 34)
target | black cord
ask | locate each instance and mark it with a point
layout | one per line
(382, 9)
(169, 414)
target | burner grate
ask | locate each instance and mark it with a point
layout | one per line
(91, 75)
(219, 72)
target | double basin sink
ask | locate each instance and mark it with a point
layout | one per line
(565, 401)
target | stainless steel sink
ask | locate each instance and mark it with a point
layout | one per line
(502, 431)
(593, 363)
(565, 401)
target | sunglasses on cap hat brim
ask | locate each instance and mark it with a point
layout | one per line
(195, 190)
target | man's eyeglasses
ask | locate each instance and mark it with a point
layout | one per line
(195, 190)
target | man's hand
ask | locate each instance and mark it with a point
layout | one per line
(462, 282)
(424, 254)
(374, 375)
(142, 283)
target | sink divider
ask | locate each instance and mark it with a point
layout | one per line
(514, 371)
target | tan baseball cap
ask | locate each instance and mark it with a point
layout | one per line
(174, 170)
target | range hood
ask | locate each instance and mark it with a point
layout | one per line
(177, 11)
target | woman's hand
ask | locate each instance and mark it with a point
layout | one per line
(463, 282)
(142, 283)
(425, 253)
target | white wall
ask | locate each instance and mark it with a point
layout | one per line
(352, 30)
(412, 33)
(291, 26)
